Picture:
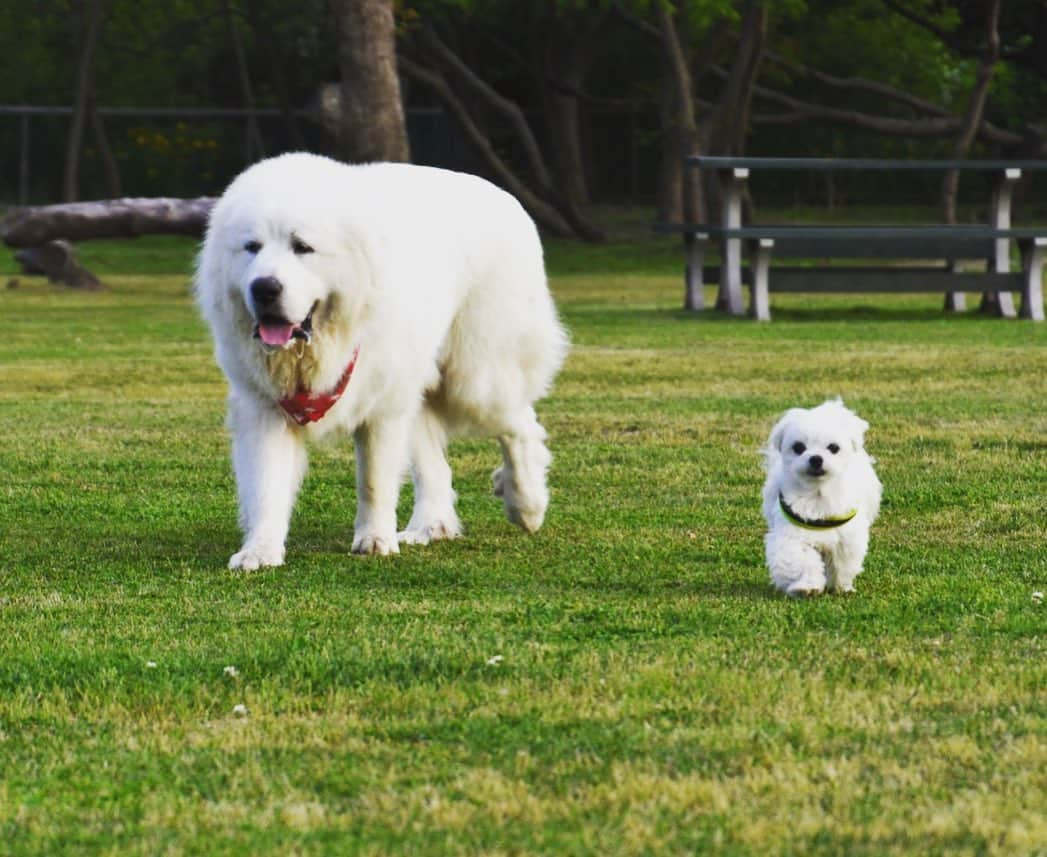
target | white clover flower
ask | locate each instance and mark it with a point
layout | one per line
(150, 665)
(240, 710)
(1037, 597)
(494, 661)
(231, 671)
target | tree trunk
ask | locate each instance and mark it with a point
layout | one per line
(84, 73)
(114, 186)
(738, 95)
(283, 94)
(973, 118)
(254, 149)
(729, 122)
(681, 191)
(564, 52)
(565, 131)
(372, 122)
(670, 162)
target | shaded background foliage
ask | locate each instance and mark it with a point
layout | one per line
(869, 78)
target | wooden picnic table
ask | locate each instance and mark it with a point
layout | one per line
(946, 243)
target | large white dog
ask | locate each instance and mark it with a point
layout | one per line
(402, 304)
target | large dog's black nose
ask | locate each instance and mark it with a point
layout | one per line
(815, 462)
(265, 291)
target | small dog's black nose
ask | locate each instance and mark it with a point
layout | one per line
(815, 462)
(265, 291)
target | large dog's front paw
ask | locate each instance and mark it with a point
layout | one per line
(252, 557)
(372, 544)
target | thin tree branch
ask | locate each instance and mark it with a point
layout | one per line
(940, 125)
(939, 33)
(860, 84)
(511, 111)
(542, 211)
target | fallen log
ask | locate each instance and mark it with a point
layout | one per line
(108, 218)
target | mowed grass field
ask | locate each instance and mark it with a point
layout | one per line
(625, 682)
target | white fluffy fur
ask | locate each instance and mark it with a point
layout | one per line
(803, 561)
(437, 278)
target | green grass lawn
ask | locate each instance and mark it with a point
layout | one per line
(624, 682)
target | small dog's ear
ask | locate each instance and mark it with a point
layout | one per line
(858, 429)
(774, 442)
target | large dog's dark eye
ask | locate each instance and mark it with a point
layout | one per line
(799, 448)
(833, 448)
(253, 247)
(299, 247)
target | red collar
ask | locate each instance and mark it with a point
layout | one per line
(305, 407)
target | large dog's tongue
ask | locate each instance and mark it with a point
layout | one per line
(276, 334)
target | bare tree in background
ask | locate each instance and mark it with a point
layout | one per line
(471, 99)
(111, 169)
(975, 110)
(372, 115)
(729, 118)
(680, 194)
(254, 148)
(81, 98)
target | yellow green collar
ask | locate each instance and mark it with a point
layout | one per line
(828, 523)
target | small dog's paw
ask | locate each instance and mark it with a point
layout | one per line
(805, 587)
(432, 532)
(251, 558)
(375, 545)
(498, 482)
(803, 592)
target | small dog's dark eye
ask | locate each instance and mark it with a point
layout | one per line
(299, 246)
(799, 448)
(833, 448)
(253, 247)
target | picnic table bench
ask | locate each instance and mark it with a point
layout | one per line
(950, 245)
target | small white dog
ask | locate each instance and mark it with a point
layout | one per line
(404, 305)
(820, 499)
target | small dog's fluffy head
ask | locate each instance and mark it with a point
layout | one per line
(815, 445)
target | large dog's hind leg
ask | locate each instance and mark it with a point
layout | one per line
(269, 460)
(520, 481)
(433, 516)
(381, 459)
